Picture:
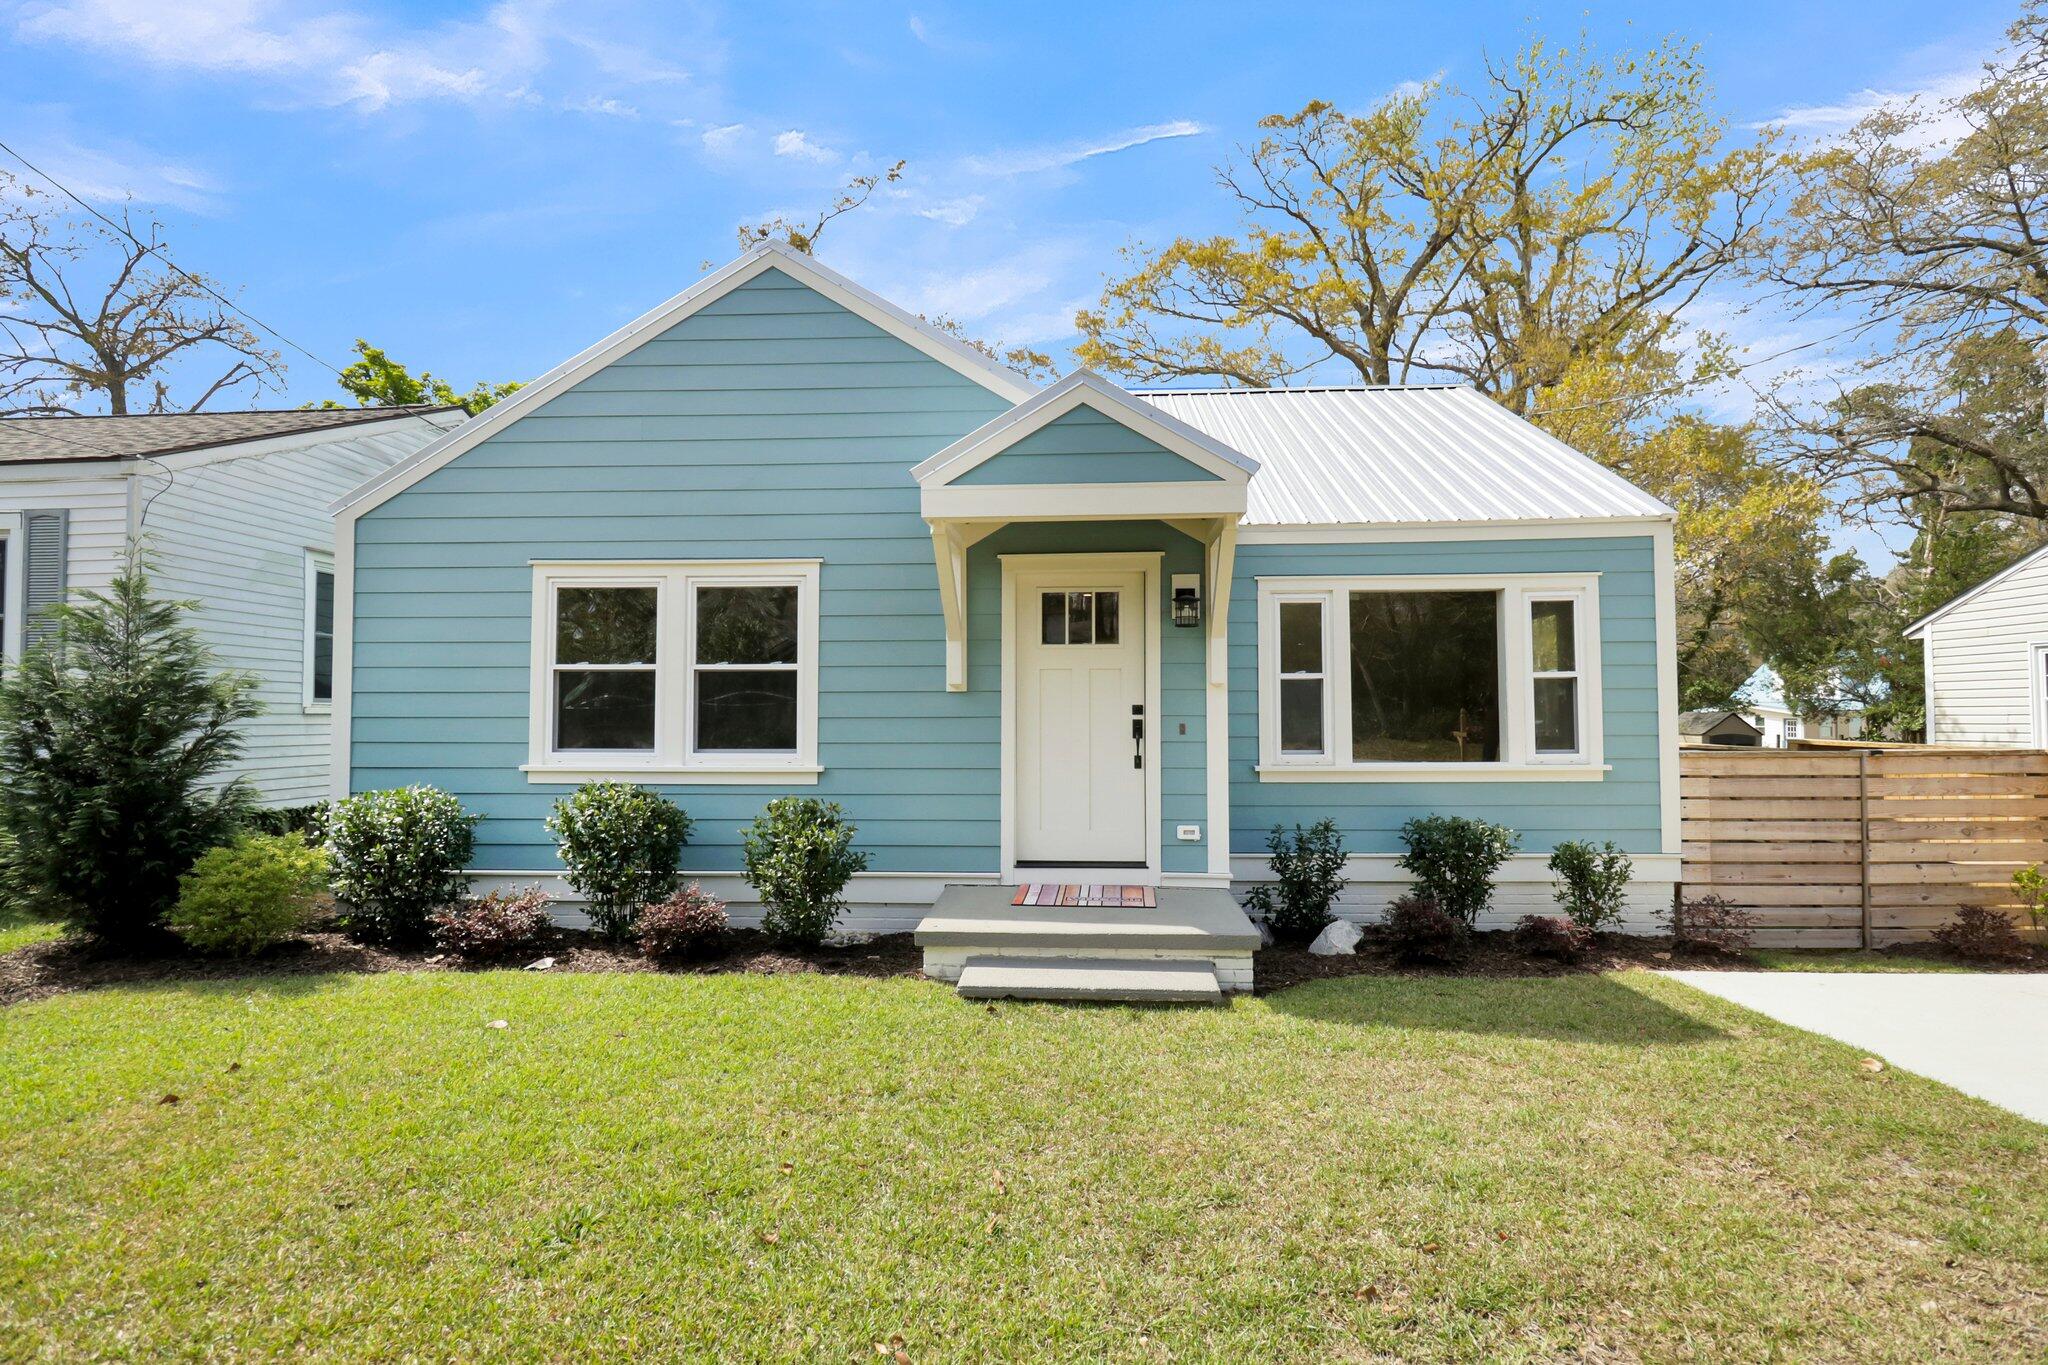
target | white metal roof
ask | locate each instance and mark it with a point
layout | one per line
(1402, 454)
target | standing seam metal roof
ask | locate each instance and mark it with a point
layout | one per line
(1416, 453)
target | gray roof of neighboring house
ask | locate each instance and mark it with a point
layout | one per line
(34, 440)
(1403, 453)
(1700, 722)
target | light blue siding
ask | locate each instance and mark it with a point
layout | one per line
(771, 424)
(1086, 446)
(1624, 806)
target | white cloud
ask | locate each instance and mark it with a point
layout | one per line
(1028, 161)
(953, 212)
(107, 174)
(919, 31)
(723, 140)
(604, 105)
(1825, 121)
(922, 30)
(797, 143)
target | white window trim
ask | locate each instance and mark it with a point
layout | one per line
(673, 759)
(317, 563)
(1519, 760)
(16, 606)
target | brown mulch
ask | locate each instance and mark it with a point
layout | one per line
(54, 968)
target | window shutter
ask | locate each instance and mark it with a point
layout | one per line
(45, 536)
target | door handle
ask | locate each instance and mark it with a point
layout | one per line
(1137, 736)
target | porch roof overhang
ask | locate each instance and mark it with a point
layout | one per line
(1206, 504)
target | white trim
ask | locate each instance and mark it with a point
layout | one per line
(1084, 388)
(914, 331)
(1521, 869)
(342, 760)
(317, 562)
(1664, 567)
(1913, 631)
(2037, 664)
(1390, 532)
(1147, 564)
(1516, 594)
(1082, 501)
(1927, 689)
(15, 569)
(673, 758)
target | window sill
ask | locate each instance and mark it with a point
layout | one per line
(564, 774)
(1437, 772)
(317, 708)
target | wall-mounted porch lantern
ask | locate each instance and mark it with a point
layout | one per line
(1187, 599)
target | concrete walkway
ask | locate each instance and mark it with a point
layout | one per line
(1984, 1033)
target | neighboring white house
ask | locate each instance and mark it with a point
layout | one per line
(1762, 700)
(1986, 659)
(230, 511)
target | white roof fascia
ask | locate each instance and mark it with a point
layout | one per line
(948, 350)
(1913, 632)
(1079, 389)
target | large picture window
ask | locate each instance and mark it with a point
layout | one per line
(1457, 676)
(676, 672)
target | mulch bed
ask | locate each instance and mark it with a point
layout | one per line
(54, 968)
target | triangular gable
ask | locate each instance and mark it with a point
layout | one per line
(1086, 445)
(915, 331)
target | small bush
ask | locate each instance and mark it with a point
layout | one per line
(1453, 859)
(1418, 930)
(1592, 883)
(1309, 865)
(487, 927)
(800, 857)
(2032, 889)
(244, 896)
(1980, 934)
(1710, 923)
(309, 820)
(622, 846)
(1559, 937)
(398, 856)
(688, 924)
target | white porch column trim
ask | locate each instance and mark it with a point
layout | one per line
(950, 543)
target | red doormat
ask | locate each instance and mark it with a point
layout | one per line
(1055, 893)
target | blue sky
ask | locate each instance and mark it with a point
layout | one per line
(484, 189)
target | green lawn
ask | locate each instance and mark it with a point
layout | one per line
(1849, 960)
(18, 930)
(748, 1167)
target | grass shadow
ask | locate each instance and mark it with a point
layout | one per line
(1584, 1008)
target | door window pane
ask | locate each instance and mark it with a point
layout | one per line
(1557, 715)
(604, 709)
(1052, 613)
(1301, 715)
(605, 625)
(1107, 614)
(755, 625)
(1080, 618)
(746, 709)
(1425, 677)
(1553, 637)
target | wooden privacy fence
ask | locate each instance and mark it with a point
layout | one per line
(1837, 849)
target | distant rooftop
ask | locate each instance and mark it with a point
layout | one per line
(1400, 453)
(34, 440)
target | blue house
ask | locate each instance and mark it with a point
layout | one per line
(780, 536)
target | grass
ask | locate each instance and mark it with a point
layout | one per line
(18, 930)
(1849, 960)
(753, 1167)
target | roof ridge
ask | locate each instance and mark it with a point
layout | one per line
(364, 409)
(1237, 391)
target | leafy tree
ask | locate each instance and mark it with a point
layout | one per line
(96, 315)
(375, 380)
(110, 739)
(1933, 244)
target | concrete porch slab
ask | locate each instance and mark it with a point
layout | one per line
(1192, 920)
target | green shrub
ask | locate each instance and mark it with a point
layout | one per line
(1592, 883)
(686, 925)
(622, 846)
(309, 820)
(1553, 936)
(1712, 924)
(486, 927)
(1453, 859)
(1977, 933)
(1418, 930)
(2032, 889)
(799, 859)
(397, 856)
(1308, 866)
(244, 896)
(111, 734)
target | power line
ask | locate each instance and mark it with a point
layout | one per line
(156, 250)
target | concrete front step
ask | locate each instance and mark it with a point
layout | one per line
(1080, 978)
(1194, 922)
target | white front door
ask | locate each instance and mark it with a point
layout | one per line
(1083, 739)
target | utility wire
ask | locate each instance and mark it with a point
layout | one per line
(157, 251)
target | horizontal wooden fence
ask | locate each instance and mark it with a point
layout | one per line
(1837, 849)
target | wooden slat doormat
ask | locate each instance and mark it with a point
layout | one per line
(1055, 893)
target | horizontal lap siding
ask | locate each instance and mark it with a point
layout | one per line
(233, 537)
(1624, 806)
(772, 424)
(96, 530)
(1983, 663)
(1086, 446)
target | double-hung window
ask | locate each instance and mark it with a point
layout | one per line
(675, 672)
(1451, 676)
(318, 692)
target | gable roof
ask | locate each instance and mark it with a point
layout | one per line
(948, 350)
(1913, 631)
(1706, 722)
(1401, 454)
(43, 440)
(1083, 388)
